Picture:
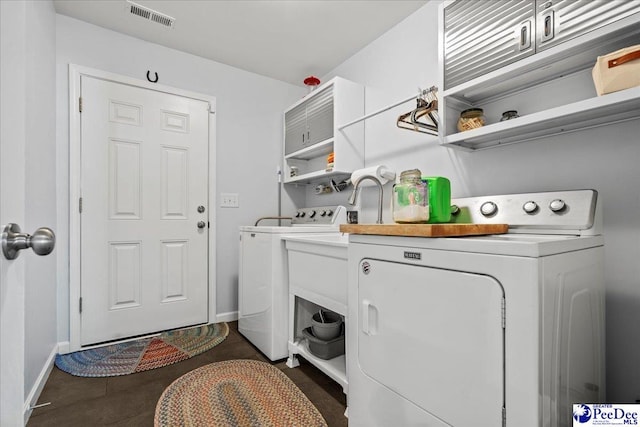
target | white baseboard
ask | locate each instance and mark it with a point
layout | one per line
(34, 394)
(230, 316)
(64, 347)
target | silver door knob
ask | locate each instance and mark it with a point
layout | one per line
(202, 224)
(42, 241)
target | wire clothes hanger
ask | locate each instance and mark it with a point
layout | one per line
(424, 118)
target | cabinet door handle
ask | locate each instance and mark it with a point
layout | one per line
(548, 21)
(524, 35)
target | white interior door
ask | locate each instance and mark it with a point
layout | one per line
(144, 189)
(12, 210)
(435, 337)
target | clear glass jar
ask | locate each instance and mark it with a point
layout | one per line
(471, 119)
(411, 198)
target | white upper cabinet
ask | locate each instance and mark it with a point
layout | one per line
(534, 57)
(311, 133)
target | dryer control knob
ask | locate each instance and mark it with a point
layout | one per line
(557, 205)
(488, 208)
(323, 213)
(312, 214)
(329, 212)
(302, 214)
(530, 207)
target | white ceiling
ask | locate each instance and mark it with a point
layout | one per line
(287, 40)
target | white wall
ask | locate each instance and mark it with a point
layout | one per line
(604, 158)
(249, 135)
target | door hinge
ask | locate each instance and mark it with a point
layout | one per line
(80, 104)
(80, 304)
(80, 205)
(504, 313)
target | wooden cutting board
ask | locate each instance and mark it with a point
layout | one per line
(425, 230)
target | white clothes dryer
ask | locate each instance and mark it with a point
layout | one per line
(263, 289)
(486, 331)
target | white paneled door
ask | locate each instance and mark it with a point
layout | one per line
(144, 227)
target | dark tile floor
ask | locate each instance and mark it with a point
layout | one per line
(130, 400)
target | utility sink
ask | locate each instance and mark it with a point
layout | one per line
(318, 269)
(317, 266)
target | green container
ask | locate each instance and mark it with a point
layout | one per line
(439, 198)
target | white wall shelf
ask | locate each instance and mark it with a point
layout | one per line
(552, 89)
(344, 103)
(320, 149)
(592, 112)
(316, 177)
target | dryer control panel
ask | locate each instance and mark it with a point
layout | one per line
(572, 212)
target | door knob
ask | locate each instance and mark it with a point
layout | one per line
(202, 224)
(42, 241)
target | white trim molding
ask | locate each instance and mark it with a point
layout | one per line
(230, 316)
(38, 386)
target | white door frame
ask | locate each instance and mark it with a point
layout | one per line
(75, 72)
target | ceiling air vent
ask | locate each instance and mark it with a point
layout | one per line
(150, 14)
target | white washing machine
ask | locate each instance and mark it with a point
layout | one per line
(503, 330)
(263, 290)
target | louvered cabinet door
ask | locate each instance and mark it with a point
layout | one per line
(320, 117)
(561, 20)
(295, 132)
(482, 36)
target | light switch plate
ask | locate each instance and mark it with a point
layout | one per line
(229, 200)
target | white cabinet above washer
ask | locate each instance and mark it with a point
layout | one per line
(311, 133)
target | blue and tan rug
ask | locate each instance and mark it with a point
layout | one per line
(143, 354)
(236, 393)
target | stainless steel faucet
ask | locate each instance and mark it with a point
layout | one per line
(356, 187)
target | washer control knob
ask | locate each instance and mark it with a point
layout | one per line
(312, 214)
(455, 210)
(488, 208)
(323, 213)
(329, 212)
(530, 207)
(557, 205)
(298, 214)
(302, 214)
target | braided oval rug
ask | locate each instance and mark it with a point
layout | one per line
(143, 354)
(235, 393)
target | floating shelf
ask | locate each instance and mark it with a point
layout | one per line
(598, 111)
(320, 149)
(315, 176)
